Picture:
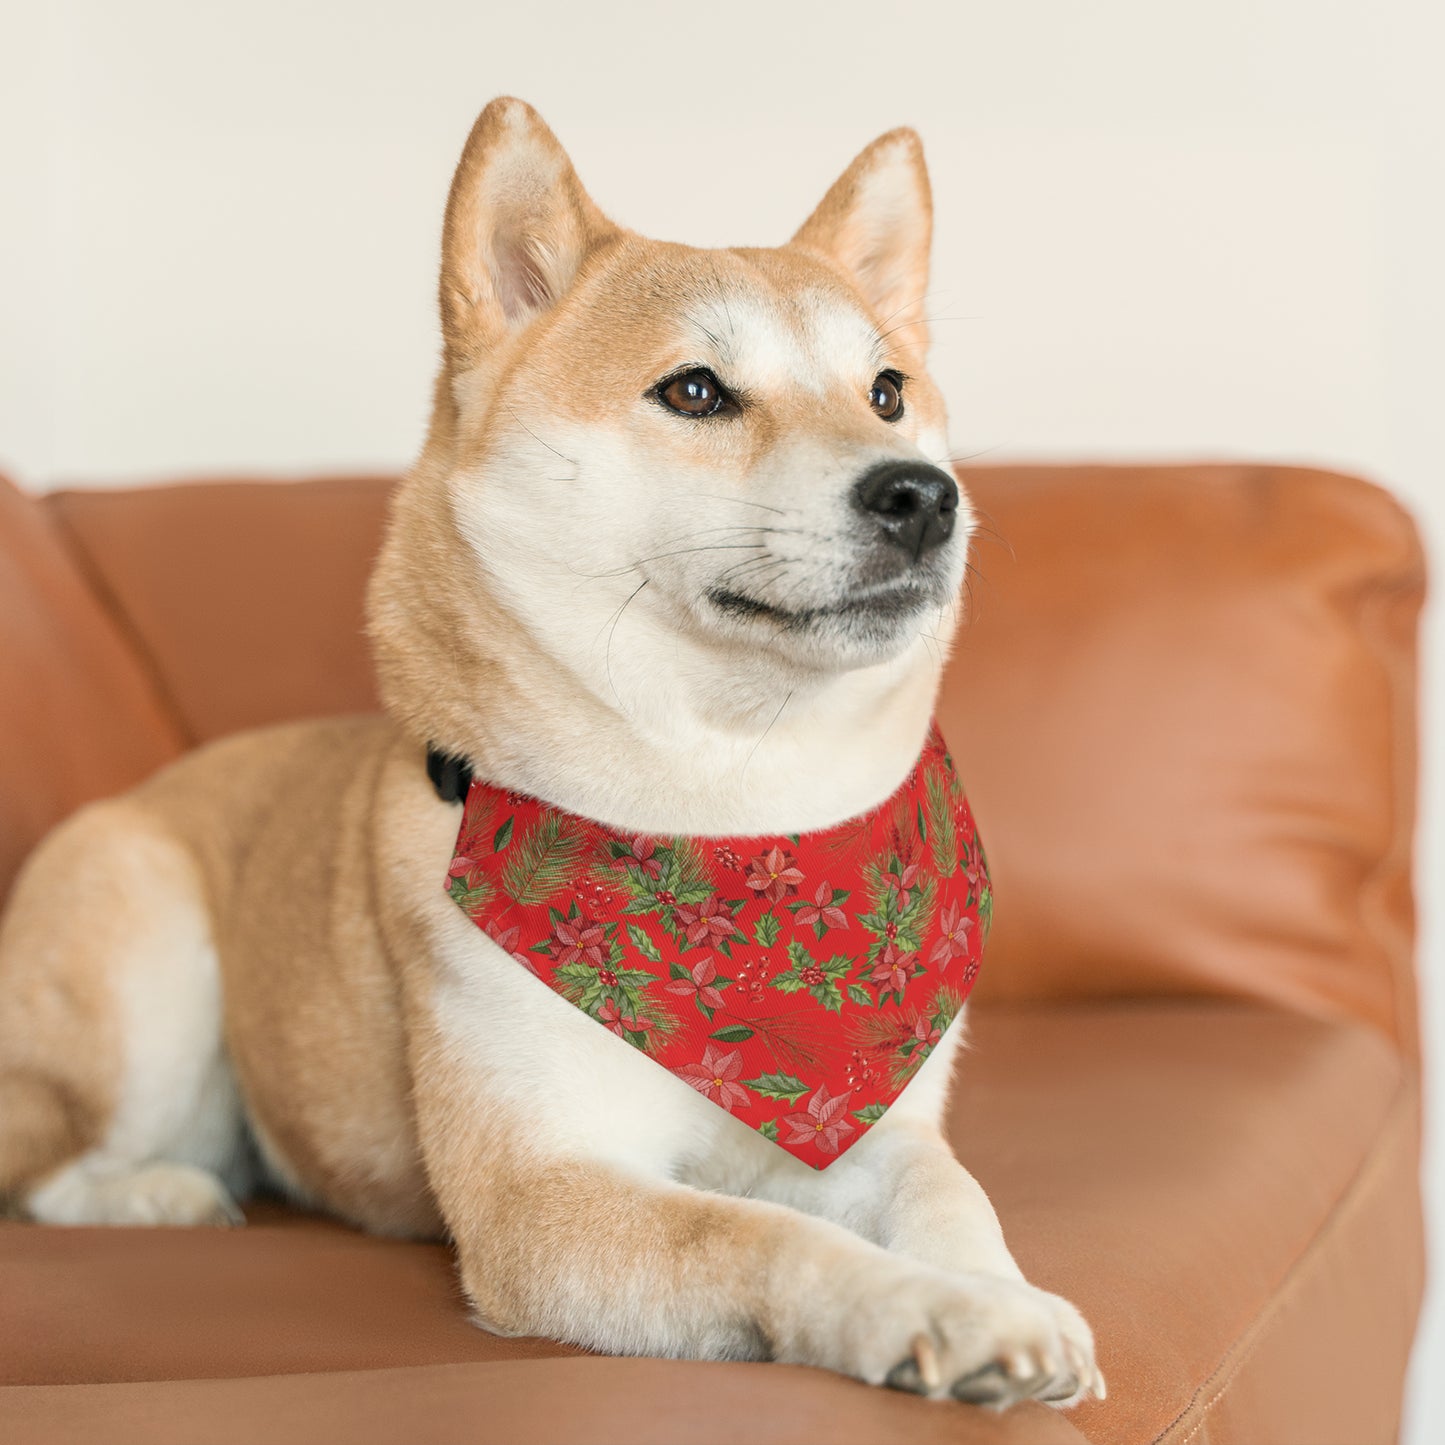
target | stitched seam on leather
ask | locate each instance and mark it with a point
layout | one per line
(1401, 683)
(124, 623)
(1243, 1349)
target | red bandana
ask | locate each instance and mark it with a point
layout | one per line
(796, 981)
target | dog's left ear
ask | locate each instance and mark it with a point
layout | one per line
(877, 223)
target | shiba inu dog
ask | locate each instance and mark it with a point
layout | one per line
(677, 554)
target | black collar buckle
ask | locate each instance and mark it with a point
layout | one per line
(450, 775)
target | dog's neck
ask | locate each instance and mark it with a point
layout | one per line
(666, 735)
(695, 751)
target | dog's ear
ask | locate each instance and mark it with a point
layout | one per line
(518, 227)
(877, 223)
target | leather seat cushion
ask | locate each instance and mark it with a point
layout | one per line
(1191, 1174)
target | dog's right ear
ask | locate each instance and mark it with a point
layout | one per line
(518, 227)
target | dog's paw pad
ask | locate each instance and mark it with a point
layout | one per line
(988, 1386)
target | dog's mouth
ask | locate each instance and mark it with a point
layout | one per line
(891, 603)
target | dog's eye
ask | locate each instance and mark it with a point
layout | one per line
(886, 397)
(694, 393)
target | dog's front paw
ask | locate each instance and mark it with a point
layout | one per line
(979, 1338)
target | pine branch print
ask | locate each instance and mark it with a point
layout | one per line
(947, 1005)
(942, 824)
(541, 862)
(692, 865)
(878, 888)
(852, 839)
(789, 1040)
(918, 916)
(879, 1033)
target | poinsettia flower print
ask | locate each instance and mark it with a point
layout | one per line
(824, 1122)
(822, 912)
(508, 939)
(707, 922)
(698, 984)
(925, 1033)
(715, 1075)
(894, 968)
(774, 874)
(952, 935)
(619, 1022)
(902, 878)
(642, 858)
(579, 938)
(975, 871)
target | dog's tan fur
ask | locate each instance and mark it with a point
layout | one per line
(264, 933)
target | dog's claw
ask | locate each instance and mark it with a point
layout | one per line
(926, 1354)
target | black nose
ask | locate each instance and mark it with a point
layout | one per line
(914, 504)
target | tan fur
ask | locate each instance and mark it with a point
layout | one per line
(264, 922)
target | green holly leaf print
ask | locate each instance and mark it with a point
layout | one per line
(823, 980)
(579, 983)
(644, 945)
(502, 836)
(573, 979)
(860, 995)
(892, 921)
(870, 1113)
(766, 930)
(778, 1086)
(469, 899)
(732, 1034)
(769, 1129)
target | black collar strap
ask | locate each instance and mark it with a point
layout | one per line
(450, 775)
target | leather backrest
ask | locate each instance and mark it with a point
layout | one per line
(1183, 705)
(1184, 710)
(247, 596)
(79, 715)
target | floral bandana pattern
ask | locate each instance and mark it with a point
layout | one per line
(796, 981)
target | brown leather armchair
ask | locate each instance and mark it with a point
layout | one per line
(1185, 712)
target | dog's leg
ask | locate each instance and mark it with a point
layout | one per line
(901, 1187)
(620, 1260)
(116, 1104)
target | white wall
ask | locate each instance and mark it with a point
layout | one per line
(1164, 228)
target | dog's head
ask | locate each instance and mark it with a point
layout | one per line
(735, 450)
